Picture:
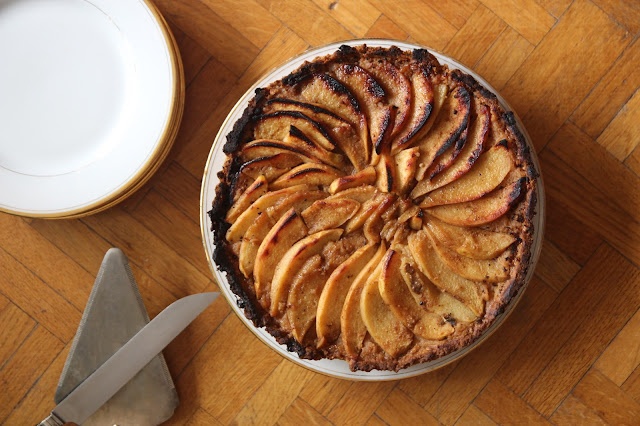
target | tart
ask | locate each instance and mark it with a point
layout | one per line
(375, 206)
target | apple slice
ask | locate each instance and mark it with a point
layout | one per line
(276, 126)
(260, 148)
(328, 119)
(429, 297)
(285, 233)
(448, 157)
(477, 134)
(271, 167)
(397, 88)
(406, 162)
(381, 322)
(291, 263)
(302, 303)
(246, 219)
(363, 177)
(481, 211)
(397, 295)
(470, 293)
(254, 191)
(369, 207)
(452, 309)
(492, 270)
(360, 194)
(258, 230)
(372, 100)
(338, 128)
(451, 121)
(329, 214)
(325, 90)
(335, 291)
(486, 174)
(475, 243)
(423, 106)
(374, 224)
(307, 174)
(298, 140)
(352, 326)
(386, 171)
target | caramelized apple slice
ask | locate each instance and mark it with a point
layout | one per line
(325, 90)
(397, 295)
(406, 162)
(488, 172)
(329, 214)
(284, 234)
(385, 328)
(258, 230)
(429, 297)
(478, 130)
(422, 107)
(374, 224)
(254, 191)
(335, 291)
(302, 302)
(291, 263)
(448, 157)
(271, 167)
(449, 124)
(468, 292)
(481, 211)
(397, 88)
(452, 309)
(328, 119)
(423, 291)
(260, 148)
(386, 171)
(360, 194)
(372, 100)
(369, 207)
(276, 126)
(297, 139)
(242, 223)
(363, 177)
(470, 242)
(492, 270)
(307, 174)
(351, 323)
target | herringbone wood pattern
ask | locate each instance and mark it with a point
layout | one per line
(569, 354)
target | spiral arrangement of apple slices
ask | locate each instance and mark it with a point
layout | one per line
(366, 208)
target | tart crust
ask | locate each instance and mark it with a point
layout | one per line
(517, 221)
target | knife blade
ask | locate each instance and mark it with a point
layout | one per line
(103, 383)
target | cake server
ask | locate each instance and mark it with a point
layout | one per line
(91, 394)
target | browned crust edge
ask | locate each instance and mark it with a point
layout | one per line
(226, 261)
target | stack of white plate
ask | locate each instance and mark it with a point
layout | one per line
(91, 98)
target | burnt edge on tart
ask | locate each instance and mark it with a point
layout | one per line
(522, 211)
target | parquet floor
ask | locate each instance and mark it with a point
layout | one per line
(569, 354)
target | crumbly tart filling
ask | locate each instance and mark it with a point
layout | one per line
(375, 207)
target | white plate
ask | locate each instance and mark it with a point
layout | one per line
(339, 368)
(87, 89)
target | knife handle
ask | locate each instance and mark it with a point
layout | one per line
(52, 420)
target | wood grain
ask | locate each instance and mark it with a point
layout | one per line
(569, 353)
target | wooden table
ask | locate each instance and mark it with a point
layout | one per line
(568, 354)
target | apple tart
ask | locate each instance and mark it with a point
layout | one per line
(375, 206)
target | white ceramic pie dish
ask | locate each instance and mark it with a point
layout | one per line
(215, 163)
(89, 91)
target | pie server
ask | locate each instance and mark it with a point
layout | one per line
(103, 383)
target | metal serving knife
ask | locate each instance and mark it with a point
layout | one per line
(103, 383)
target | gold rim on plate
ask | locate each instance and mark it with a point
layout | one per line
(161, 149)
